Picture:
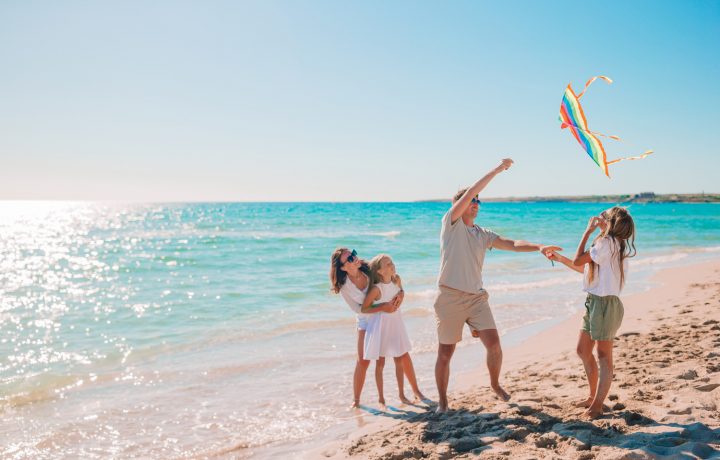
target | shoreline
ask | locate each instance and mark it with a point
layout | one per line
(556, 345)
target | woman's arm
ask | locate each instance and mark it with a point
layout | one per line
(372, 295)
(400, 296)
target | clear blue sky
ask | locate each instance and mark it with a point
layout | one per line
(371, 100)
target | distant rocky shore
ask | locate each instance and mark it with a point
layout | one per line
(645, 197)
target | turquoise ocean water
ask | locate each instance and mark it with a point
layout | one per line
(179, 330)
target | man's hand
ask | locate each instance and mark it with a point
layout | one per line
(549, 250)
(504, 165)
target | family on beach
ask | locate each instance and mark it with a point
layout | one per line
(374, 291)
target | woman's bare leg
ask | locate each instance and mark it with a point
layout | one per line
(361, 367)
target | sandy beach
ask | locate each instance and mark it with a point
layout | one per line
(664, 402)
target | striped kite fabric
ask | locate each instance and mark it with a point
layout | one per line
(573, 118)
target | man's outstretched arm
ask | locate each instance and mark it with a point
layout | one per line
(462, 204)
(507, 244)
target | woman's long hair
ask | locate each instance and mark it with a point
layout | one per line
(621, 228)
(338, 276)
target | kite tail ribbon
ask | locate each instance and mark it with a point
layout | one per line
(589, 82)
(639, 157)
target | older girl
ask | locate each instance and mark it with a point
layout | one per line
(605, 267)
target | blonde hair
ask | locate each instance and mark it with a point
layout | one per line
(621, 228)
(375, 265)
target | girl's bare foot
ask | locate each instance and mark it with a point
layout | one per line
(592, 413)
(381, 401)
(404, 400)
(420, 397)
(584, 403)
(501, 394)
(355, 404)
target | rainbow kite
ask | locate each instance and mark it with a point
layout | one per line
(573, 117)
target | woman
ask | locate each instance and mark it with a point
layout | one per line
(349, 278)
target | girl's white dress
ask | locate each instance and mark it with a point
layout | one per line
(385, 335)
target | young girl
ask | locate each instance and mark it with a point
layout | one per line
(385, 334)
(349, 276)
(605, 268)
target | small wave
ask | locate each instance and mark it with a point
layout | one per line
(427, 294)
(660, 259)
(390, 234)
(505, 287)
(712, 249)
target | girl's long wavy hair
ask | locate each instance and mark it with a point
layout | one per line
(338, 276)
(621, 228)
(375, 265)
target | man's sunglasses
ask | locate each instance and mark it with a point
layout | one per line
(351, 258)
(475, 201)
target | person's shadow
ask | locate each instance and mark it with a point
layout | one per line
(467, 431)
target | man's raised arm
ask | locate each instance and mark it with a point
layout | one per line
(462, 204)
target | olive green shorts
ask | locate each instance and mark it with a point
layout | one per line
(603, 316)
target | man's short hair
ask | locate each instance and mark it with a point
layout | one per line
(459, 194)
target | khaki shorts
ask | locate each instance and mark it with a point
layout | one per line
(603, 316)
(454, 308)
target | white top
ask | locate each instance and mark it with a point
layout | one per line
(387, 291)
(605, 253)
(462, 254)
(354, 297)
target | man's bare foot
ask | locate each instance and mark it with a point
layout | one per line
(381, 401)
(404, 400)
(501, 394)
(441, 409)
(355, 404)
(584, 403)
(592, 413)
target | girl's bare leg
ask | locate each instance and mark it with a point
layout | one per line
(410, 374)
(604, 350)
(585, 347)
(361, 367)
(400, 376)
(379, 366)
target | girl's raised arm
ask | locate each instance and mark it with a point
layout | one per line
(582, 256)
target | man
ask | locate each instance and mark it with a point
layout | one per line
(462, 298)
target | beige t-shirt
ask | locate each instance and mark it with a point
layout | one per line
(462, 254)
